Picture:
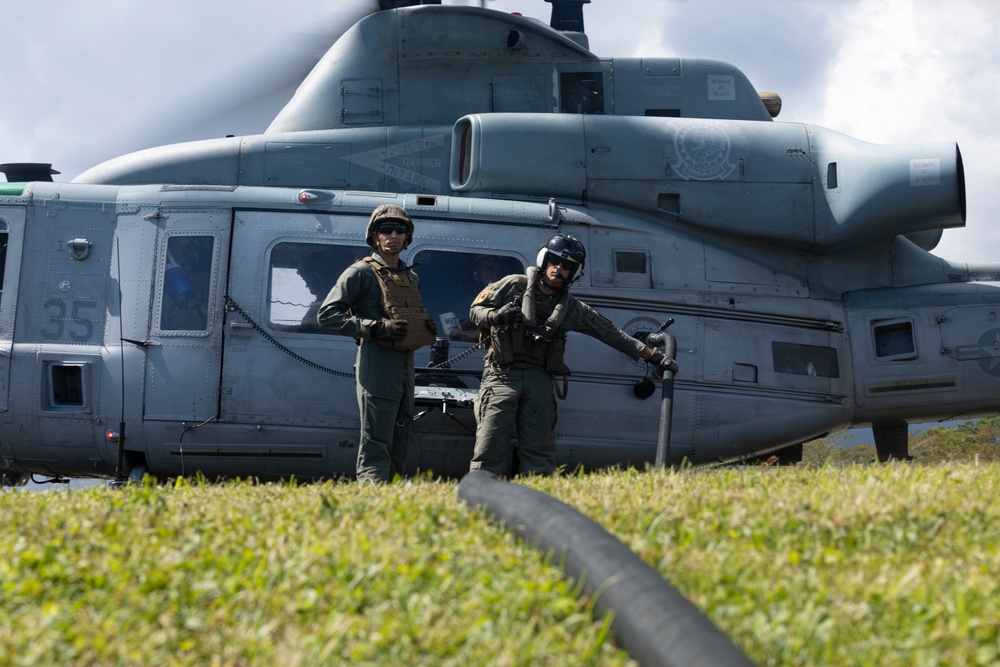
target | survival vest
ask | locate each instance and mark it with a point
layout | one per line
(401, 301)
(542, 344)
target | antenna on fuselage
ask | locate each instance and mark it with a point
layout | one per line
(24, 172)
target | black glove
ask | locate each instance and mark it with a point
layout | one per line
(509, 314)
(432, 325)
(390, 330)
(660, 362)
(654, 339)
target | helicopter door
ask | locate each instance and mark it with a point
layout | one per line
(11, 234)
(182, 363)
(279, 367)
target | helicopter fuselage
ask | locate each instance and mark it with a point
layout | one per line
(172, 292)
(231, 380)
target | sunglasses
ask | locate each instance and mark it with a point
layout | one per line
(389, 229)
(563, 262)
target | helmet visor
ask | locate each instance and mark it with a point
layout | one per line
(564, 262)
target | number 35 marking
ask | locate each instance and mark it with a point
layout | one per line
(81, 327)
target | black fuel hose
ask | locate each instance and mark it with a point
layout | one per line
(652, 620)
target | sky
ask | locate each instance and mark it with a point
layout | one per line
(84, 82)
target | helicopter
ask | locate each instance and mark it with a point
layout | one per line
(171, 330)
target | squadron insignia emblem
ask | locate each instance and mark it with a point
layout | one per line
(703, 152)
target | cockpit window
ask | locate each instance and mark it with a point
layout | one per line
(300, 276)
(186, 283)
(450, 281)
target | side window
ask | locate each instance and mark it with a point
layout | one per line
(186, 283)
(299, 277)
(450, 281)
(894, 340)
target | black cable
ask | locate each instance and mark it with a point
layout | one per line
(651, 619)
(231, 305)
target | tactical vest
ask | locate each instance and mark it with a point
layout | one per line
(401, 301)
(543, 344)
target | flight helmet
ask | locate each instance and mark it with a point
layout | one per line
(388, 213)
(566, 247)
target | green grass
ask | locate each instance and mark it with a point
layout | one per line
(241, 574)
(807, 565)
(874, 565)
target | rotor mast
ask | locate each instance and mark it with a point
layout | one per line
(567, 18)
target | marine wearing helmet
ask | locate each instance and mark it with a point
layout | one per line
(527, 318)
(563, 247)
(387, 213)
(377, 301)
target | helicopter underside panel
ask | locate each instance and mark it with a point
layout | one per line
(240, 450)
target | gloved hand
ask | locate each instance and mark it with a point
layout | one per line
(509, 314)
(432, 325)
(654, 339)
(660, 363)
(390, 330)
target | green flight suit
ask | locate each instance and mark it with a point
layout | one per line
(384, 376)
(518, 393)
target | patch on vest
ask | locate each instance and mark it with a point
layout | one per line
(485, 294)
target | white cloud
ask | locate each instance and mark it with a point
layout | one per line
(914, 72)
(878, 88)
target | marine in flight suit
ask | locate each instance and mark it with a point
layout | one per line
(528, 317)
(387, 319)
